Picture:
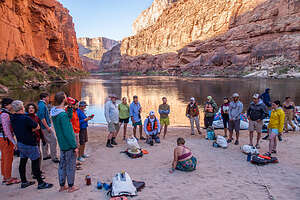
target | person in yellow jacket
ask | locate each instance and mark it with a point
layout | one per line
(275, 126)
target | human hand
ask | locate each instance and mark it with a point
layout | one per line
(76, 150)
(48, 129)
(171, 170)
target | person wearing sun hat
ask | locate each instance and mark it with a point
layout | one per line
(111, 113)
(192, 112)
(152, 128)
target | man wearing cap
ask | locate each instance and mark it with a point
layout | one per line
(192, 112)
(256, 113)
(210, 110)
(83, 135)
(111, 113)
(135, 110)
(152, 128)
(235, 110)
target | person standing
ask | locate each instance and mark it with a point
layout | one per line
(289, 110)
(164, 111)
(225, 114)
(7, 142)
(235, 110)
(192, 112)
(111, 113)
(24, 128)
(135, 110)
(275, 126)
(256, 113)
(124, 115)
(266, 97)
(83, 134)
(67, 143)
(152, 128)
(49, 135)
(209, 111)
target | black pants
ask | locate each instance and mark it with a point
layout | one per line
(208, 121)
(35, 165)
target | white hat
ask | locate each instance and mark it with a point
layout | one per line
(151, 113)
(256, 96)
(192, 99)
(235, 95)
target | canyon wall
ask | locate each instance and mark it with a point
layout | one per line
(216, 34)
(41, 29)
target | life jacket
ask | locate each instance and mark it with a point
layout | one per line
(149, 125)
(209, 108)
(2, 134)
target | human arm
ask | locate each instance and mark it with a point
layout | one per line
(158, 127)
(42, 116)
(175, 160)
(281, 121)
(5, 120)
(106, 113)
(145, 126)
(131, 112)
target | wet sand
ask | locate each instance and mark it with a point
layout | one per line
(221, 173)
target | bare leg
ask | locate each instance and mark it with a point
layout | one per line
(125, 130)
(258, 138)
(237, 135)
(141, 131)
(251, 137)
(230, 134)
(275, 143)
(225, 132)
(165, 131)
(272, 142)
(134, 131)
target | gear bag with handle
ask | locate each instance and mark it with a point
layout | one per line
(122, 185)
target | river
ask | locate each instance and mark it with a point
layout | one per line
(96, 88)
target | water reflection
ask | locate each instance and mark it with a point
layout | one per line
(95, 90)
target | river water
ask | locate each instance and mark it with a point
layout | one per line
(96, 88)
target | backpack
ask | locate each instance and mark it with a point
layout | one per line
(122, 185)
(210, 134)
(263, 160)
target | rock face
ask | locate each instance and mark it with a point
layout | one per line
(149, 16)
(42, 29)
(217, 35)
(91, 51)
(111, 59)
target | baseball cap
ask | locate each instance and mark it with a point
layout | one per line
(235, 95)
(192, 99)
(209, 98)
(82, 103)
(151, 113)
(113, 95)
(256, 96)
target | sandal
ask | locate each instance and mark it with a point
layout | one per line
(13, 181)
(63, 189)
(73, 189)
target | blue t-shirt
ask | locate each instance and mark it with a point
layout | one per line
(134, 111)
(43, 113)
(82, 117)
(22, 126)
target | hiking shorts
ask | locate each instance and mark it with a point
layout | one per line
(137, 124)
(255, 126)
(165, 121)
(234, 125)
(113, 127)
(83, 136)
(225, 120)
(125, 121)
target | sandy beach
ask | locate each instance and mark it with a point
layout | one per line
(220, 174)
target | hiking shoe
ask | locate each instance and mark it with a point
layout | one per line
(192, 133)
(81, 159)
(108, 145)
(47, 158)
(236, 142)
(27, 184)
(142, 138)
(113, 142)
(44, 185)
(85, 156)
(229, 140)
(151, 143)
(274, 151)
(257, 146)
(55, 160)
(279, 138)
(266, 137)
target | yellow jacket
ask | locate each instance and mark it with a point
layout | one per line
(277, 120)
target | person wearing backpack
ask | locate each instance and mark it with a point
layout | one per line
(256, 113)
(275, 126)
(210, 110)
(7, 143)
(192, 112)
(152, 128)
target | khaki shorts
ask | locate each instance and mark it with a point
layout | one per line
(113, 128)
(255, 126)
(164, 121)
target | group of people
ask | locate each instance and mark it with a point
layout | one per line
(31, 125)
(116, 115)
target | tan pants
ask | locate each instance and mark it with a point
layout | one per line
(7, 156)
(289, 115)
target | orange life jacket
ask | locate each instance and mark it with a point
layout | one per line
(75, 121)
(149, 125)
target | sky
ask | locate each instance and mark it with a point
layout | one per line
(105, 18)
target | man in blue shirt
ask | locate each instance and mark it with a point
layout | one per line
(48, 132)
(135, 110)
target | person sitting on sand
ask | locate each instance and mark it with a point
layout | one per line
(183, 158)
(152, 128)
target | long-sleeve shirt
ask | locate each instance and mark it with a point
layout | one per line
(164, 110)
(134, 111)
(153, 132)
(277, 120)
(43, 113)
(5, 120)
(82, 117)
(111, 112)
(235, 110)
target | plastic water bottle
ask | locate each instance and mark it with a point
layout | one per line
(106, 186)
(88, 180)
(249, 157)
(99, 185)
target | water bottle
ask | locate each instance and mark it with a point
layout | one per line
(249, 157)
(99, 185)
(88, 180)
(106, 186)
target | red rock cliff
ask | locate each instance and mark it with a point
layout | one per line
(39, 28)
